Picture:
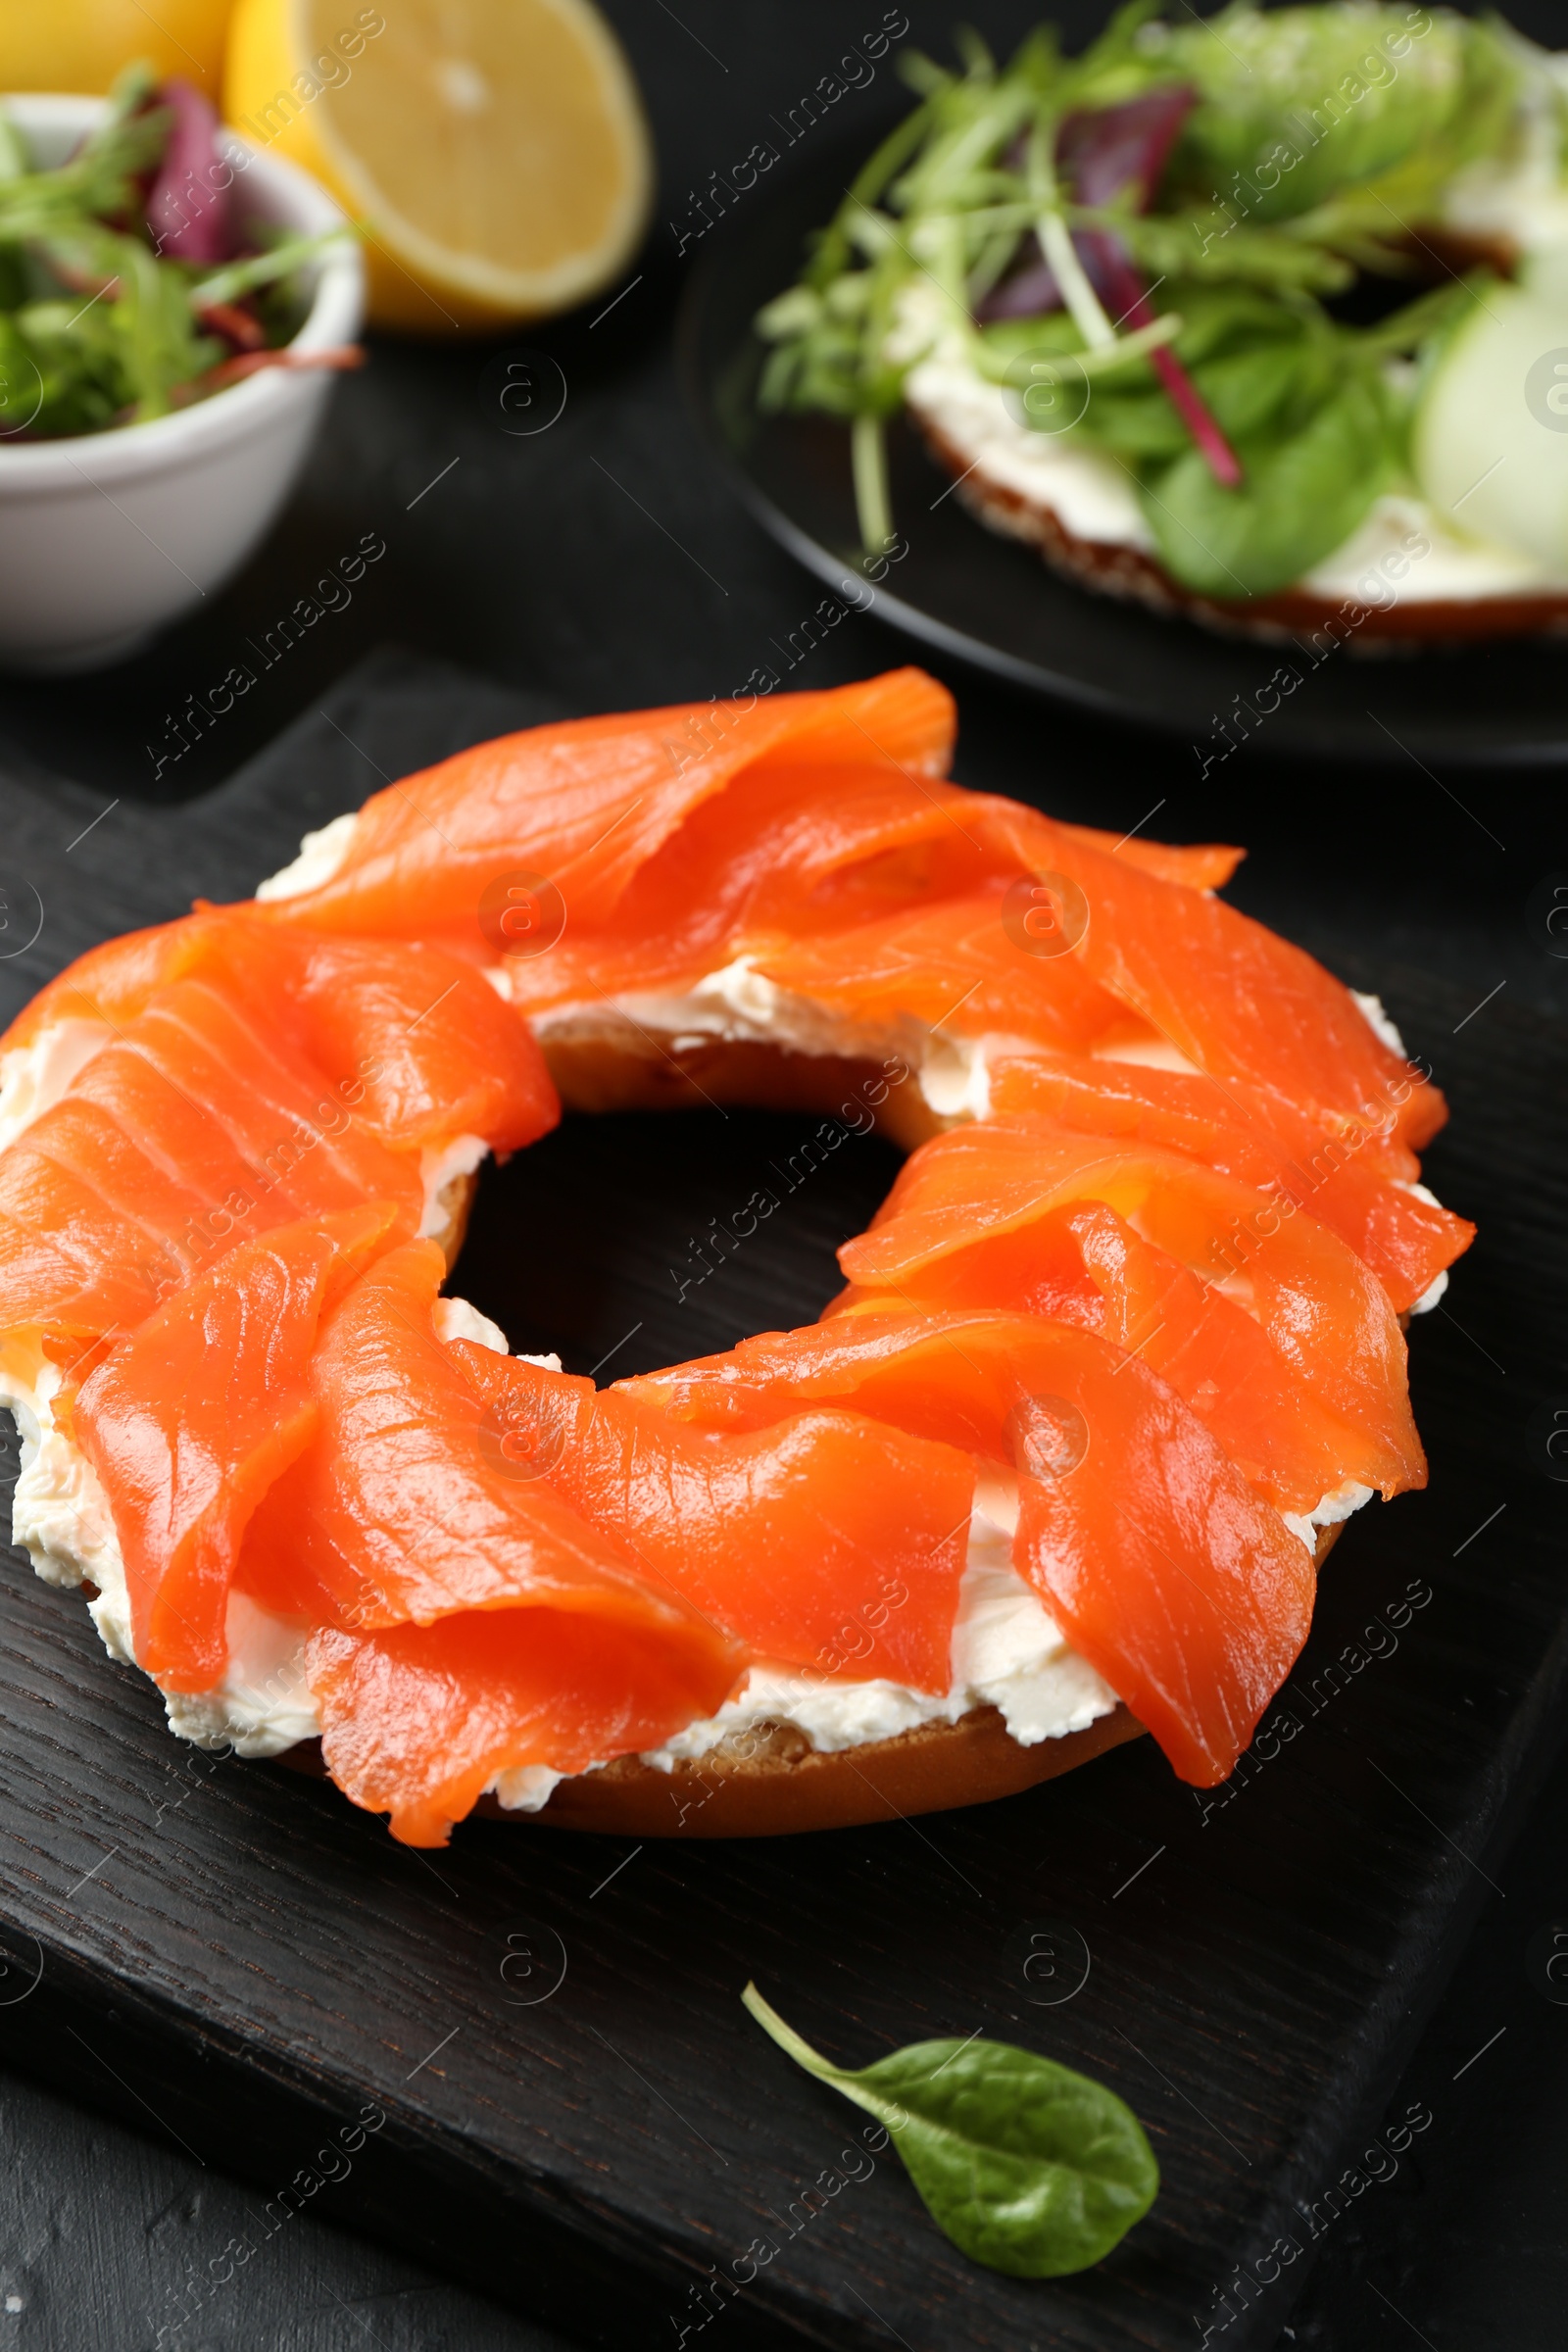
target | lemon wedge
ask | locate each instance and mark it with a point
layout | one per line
(82, 44)
(494, 152)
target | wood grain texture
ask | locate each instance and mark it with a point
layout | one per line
(232, 1954)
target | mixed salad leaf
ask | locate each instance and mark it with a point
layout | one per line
(1179, 227)
(125, 287)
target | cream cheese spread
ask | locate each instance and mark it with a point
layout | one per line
(320, 853)
(33, 1077)
(1007, 1652)
(1523, 200)
(735, 1002)
(1344, 1499)
(440, 1168)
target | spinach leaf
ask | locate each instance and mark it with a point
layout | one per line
(1027, 2166)
(1245, 390)
(1301, 496)
(1267, 389)
(1258, 366)
(1135, 424)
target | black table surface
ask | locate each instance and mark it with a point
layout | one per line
(603, 561)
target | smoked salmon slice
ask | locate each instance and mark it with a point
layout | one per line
(587, 803)
(249, 1075)
(1184, 1590)
(962, 1226)
(1407, 1240)
(192, 1418)
(797, 846)
(421, 1048)
(1086, 1265)
(785, 850)
(403, 1505)
(109, 985)
(1234, 997)
(468, 1621)
(410, 1039)
(951, 966)
(191, 1130)
(794, 850)
(1199, 865)
(1213, 1354)
(418, 1720)
(827, 1543)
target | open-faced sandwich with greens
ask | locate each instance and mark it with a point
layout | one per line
(1264, 317)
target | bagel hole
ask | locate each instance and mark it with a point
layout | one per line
(630, 1239)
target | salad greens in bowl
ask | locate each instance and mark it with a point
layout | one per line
(174, 305)
(127, 289)
(1253, 317)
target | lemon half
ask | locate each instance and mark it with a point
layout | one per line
(82, 44)
(494, 152)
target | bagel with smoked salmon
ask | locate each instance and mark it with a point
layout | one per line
(1119, 1355)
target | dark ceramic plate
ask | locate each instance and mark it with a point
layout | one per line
(992, 602)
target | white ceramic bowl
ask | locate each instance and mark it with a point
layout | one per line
(107, 537)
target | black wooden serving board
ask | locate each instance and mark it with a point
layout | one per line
(578, 2116)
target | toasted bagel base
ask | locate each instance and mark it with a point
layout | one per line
(635, 1072)
(776, 1783)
